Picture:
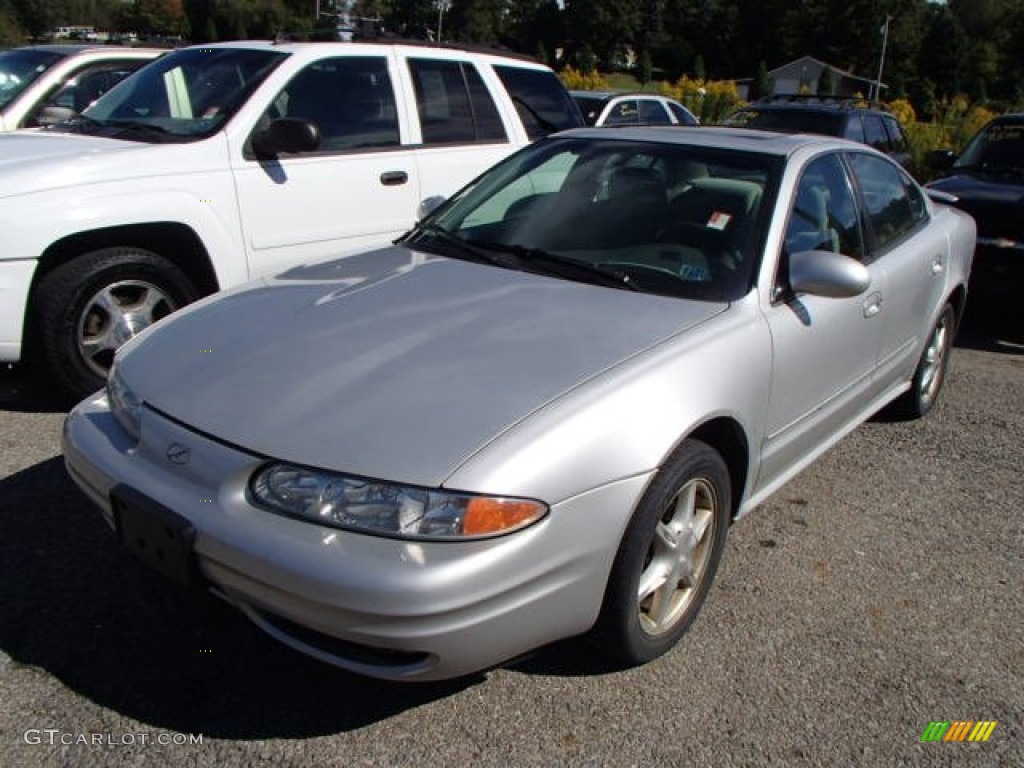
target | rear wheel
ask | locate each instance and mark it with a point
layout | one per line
(91, 305)
(931, 369)
(667, 558)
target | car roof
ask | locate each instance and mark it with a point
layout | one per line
(78, 49)
(741, 139)
(615, 94)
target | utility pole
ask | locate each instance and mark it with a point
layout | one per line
(881, 59)
(442, 6)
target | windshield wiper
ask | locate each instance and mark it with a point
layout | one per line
(137, 125)
(592, 273)
(468, 249)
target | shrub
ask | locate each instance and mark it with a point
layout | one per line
(576, 80)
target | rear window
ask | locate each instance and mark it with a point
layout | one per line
(454, 104)
(789, 121)
(543, 103)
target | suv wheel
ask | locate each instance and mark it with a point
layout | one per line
(93, 304)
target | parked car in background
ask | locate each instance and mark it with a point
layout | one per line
(848, 118)
(220, 163)
(44, 84)
(987, 181)
(617, 108)
(539, 412)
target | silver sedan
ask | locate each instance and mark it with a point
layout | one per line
(537, 415)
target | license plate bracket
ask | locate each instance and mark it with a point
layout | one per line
(158, 536)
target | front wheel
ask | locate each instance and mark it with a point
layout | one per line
(91, 305)
(931, 369)
(667, 558)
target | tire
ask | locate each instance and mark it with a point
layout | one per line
(931, 369)
(88, 307)
(664, 567)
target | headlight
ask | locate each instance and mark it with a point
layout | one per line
(124, 403)
(376, 506)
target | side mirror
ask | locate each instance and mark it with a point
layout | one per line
(429, 205)
(286, 135)
(823, 273)
(52, 114)
(941, 159)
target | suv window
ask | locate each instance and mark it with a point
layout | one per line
(541, 100)
(893, 204)
(363, 112)
(855, 129)
(874, 133)
(454, 103)
(896, 138)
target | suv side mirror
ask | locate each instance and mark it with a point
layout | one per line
(941, 159)
(286, 135)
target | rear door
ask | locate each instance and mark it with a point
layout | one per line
(913, 256)
(455, 120)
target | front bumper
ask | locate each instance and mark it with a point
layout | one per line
(15, 281)
(400, 610)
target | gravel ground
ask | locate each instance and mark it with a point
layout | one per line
(878, 591)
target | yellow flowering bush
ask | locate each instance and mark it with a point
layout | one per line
(577, 81)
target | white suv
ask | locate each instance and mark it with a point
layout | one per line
(43, 84)
(216, 164)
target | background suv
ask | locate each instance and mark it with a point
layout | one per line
(848, 118)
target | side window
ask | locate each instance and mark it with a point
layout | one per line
(625, 112)
(79, 91)
(682, 115)
(874, 133)
(350, 99)
(824, 215)
(540, 98)
(653, 113)
(893, 204)
(854, 129)
(454, 104)
(896, 137)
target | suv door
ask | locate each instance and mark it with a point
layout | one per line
(359, 188)
(458, 127)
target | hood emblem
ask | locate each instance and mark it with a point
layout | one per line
(178, 454)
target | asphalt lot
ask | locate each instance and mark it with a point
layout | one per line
(879, 591)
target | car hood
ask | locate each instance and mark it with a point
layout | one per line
(995, 200)
(35, 160)
(393, 364)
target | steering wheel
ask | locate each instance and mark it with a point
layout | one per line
(719, 254)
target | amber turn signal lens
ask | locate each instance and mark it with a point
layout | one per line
(488, 515)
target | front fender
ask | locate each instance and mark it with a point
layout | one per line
(626, 422)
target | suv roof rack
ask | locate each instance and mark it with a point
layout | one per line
(817, 98)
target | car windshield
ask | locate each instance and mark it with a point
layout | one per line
(659, 218)
(185, 95)
(788, 121)
(1000, 146)
(18, 68)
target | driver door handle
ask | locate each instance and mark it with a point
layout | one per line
(872, 304)
(393, 178)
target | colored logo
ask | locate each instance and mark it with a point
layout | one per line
(958, 730)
